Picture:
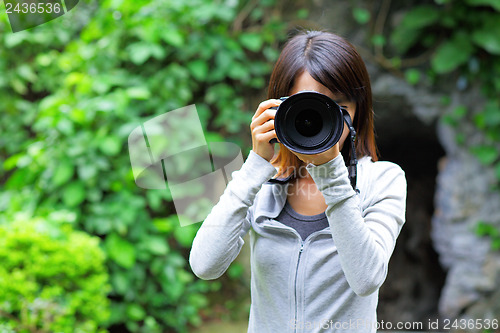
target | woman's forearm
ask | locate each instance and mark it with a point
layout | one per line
(364, 234)
(219, 239)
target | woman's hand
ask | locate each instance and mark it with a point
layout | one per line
(321, 158)
(262, 127)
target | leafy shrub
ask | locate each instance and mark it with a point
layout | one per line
(52, 278)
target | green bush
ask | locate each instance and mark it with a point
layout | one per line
(52, 278)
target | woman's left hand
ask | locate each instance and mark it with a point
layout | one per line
(322, 158)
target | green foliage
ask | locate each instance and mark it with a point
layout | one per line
(361, 15)
(412, 27)
(446, 40)
(72, 90)
(452, 54)
(52, 278)
(485, 229)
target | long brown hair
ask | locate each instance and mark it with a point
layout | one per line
(334, 62)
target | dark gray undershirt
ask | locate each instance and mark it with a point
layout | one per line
(304, 224)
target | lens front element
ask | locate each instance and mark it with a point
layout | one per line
(308, 122)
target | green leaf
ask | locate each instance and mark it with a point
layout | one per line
(497, 171)
(157, 245)
(164, 225)
(409, 30)
(73, 194)
(251, 41)
(488, 40)
(27, 73)
(138, 53)
(485, 154)
(491, 115)
(302, 13)
(404, 39)
(420, 17)
(63, 172)
(361, 15)
(110, 145)
(120, 250)
(454, 117)
(493, 3)
(140, 92)
(452, 54)
(11, 162)
(412, 76)
(141, 51)
(484, 229)
(235, 271)
(487, 36)
(135, 312)
(185, 235)
(199, 69)
(173, 37)
(87, 171)
(120, 282)
(378, 40)
(459, 112)
(238, 72)
(495, 244)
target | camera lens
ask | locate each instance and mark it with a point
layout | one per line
(308, 123)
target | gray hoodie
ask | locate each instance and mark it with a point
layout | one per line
(327, 283)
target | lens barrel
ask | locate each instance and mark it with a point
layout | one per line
(308, 122)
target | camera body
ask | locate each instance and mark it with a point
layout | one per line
(308, 122)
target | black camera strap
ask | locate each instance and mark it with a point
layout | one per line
(353, 161)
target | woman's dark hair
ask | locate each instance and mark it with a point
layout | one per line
(334, 62)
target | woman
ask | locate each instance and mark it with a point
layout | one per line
(319, 249)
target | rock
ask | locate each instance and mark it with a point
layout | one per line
(463, 199)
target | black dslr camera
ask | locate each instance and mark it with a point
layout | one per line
(310, 123)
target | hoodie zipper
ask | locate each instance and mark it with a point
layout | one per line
(301, 249)
(295, 286)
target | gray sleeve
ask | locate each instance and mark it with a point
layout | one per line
(220, 237)
(364, 235)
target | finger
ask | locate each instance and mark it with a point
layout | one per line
(263, 118)
(266, 137)
(265, 127)
(266, 105)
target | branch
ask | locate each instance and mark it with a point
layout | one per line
(380, 24)
(19, 324)
(243, 14)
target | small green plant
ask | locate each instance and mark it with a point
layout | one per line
(52, 278)
(485, 229)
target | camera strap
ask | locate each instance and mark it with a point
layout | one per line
(353, 162)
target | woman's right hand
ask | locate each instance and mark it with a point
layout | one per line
(262, 127)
